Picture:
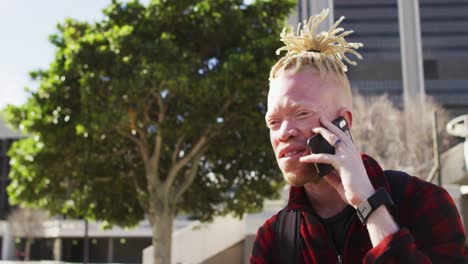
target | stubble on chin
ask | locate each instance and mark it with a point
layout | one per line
(301, 177)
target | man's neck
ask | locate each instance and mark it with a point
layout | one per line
(324, 198)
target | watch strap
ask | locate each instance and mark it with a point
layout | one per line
(369, 205)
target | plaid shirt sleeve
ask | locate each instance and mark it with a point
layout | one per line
(436, 236)
(263, 249)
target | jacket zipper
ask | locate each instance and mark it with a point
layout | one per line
(338, 256)
(340, 259)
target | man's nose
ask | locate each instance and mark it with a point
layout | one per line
(287, 131)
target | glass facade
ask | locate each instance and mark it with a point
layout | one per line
(444, 35)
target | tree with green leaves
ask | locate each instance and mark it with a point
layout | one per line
(153, 111)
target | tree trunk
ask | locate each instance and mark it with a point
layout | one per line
(27, 249)
(162, 236)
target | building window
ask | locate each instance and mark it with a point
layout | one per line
(430, 70)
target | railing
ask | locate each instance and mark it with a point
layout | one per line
(76, 228)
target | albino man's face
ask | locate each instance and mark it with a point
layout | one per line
(295, 103)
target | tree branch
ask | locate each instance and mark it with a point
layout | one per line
(142, 196)
(177, 149)
(156, 156)
(196, 150)
(146, 111)
(227, 104)
(157, 150)
(162, 107)
(127, 135)
(189, 177)
(142, 147)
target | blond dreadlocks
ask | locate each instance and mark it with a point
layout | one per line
(324, 51)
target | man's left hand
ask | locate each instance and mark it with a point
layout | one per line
(349, 177)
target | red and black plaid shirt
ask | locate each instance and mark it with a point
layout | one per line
(431, 229)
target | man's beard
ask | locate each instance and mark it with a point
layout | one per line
(301, 174)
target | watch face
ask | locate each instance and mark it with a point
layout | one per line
(364, 209)
(380, 197)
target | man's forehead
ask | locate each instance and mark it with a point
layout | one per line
(292, 104)
(302, 89)
(306, 81)
(298, 84)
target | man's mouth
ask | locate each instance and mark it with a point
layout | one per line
(291, 153)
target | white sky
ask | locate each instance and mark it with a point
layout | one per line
(25, 26)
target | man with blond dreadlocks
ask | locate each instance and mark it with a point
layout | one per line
(352, 212)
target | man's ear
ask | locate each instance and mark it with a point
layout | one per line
(347, 114)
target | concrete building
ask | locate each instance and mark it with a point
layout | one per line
(444, 34)
(444, 38)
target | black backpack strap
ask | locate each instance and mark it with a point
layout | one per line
(287, 228)
(397, 181)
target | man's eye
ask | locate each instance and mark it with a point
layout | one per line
(301, 113)
(272, 123)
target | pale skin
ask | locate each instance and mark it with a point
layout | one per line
(301, 105)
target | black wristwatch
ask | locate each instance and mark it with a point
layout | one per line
(366, 207)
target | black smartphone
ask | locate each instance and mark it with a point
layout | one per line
(318, 144)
